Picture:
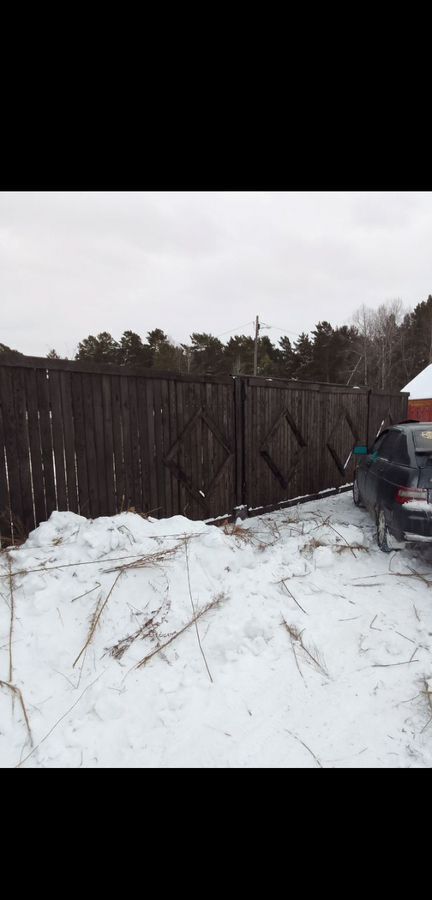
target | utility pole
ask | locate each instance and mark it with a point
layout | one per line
(257, 328)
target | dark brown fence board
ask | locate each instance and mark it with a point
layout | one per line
(104, 507)
(144, 445)
(154, 494)
(127, 444)
(80, 443)
(46, 440)
(69, 440)
(57, 437)
(180, 455)
(108, 467)
(22, 443)
(117, 427)
(160, 474)
(9, 424)
(175, 484)
(5, 522)
(166, 444)
(137, 500)
(90, 444)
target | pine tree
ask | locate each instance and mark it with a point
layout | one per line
(132, 350)
(101, 349)
(303, 358)
(5, 349)
(206, 354)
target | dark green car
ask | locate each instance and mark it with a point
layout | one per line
(393, 480)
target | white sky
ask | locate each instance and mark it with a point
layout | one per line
(77, 263)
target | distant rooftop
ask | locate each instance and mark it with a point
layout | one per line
(420, 388)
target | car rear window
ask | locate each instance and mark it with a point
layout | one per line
(423, 440)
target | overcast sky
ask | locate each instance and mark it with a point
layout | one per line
(77, 263)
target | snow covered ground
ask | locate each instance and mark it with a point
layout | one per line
(315, 650)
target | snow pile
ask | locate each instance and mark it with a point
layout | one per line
(420, 388)
(309, 647)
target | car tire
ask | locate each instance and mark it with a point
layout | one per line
(383, 534)
(356, 493)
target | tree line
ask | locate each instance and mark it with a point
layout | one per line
(381, 348)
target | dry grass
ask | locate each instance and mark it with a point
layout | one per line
(312, 652)
(428, 694)
(141, 562)
(213, 604)
(148, 630)
(308, 548)
(17, 693)
(150, 559)
(413, 574)
(290, 594)
(245, 535)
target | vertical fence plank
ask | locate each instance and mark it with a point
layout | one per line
(90, 444)
(120, 478)
(46, 440)
(35, 446)
(166, 443)
(154, 492)
(127, 446)
(9, 424)
(104, 507)
(143, 445)
(22, 442)
(5, 522)
(175, 484)
(57, 436)
(69, 440)
(108, 445)
(180, 459)
(162, 513)
(137, 500)
(80, 444)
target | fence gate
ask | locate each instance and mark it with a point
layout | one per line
(299, 438)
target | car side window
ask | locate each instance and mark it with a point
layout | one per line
(376, 446)
(394, 448)
(387, 449)
(401, 454)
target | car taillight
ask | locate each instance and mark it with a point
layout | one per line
(404, 495)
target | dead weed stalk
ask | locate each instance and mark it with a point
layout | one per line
(312, 652)
(17, 693)
(194, 613)
(213, 604)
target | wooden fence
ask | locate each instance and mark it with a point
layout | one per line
(100, 439)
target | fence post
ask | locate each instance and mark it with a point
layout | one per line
(240, 509)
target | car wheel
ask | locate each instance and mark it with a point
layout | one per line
(383, 534)
(356, 493)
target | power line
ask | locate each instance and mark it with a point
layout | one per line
(234, 329)
(285, 330)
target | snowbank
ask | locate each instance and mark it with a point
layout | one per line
(311, 648)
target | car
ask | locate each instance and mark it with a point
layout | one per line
(393, 480)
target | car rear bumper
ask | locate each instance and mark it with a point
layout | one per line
(412, 524)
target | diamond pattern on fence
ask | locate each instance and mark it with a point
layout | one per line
(223, 453)
(272, 439)
(342, 434)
